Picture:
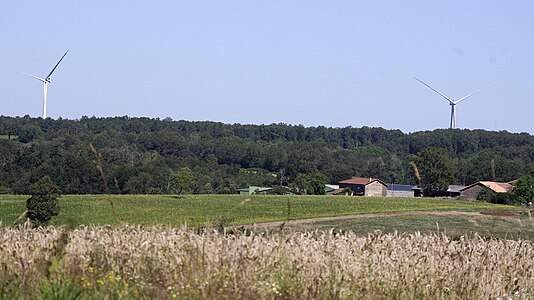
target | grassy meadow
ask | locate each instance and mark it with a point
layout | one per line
(453, 225)
(200, 210)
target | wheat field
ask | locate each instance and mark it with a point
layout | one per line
(132, 262)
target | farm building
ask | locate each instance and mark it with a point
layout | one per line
(451, 191)
(254, 190)
(329, 189)
(471, 191)
(364, 187)
(400, 190)
(454, 190)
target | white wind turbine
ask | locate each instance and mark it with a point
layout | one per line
(46, 81)
(452, 103)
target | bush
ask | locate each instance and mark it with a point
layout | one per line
(498, 198)
(43, 203)
(5, 190)
(506, 198)
(485, 194)
(227, 190)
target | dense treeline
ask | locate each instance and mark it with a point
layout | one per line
(140, 155)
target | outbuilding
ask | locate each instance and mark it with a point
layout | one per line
(400, 190)
(365, 186)
(472, 191)
(254, 190)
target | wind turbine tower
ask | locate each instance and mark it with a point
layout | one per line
(452, 103)
(46, 81)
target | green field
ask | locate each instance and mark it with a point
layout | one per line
(453, 225)
(199, 210)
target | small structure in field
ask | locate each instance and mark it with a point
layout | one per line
(364, 186)
(472, 191)
(254, 190)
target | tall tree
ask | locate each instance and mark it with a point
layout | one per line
(436, 170)
(181, 179)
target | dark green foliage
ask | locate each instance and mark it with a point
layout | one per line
(317, 183)
(139, 155)
(498, 198)
(485, 194)
(5, 190)
(181, 179)
(436, 170)
(43, 203)
(524, 189)
(505, 198)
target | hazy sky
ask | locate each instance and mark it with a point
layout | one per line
(331, 63)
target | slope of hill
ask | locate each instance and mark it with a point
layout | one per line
(140, 154)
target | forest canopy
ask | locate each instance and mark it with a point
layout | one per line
(143, 155)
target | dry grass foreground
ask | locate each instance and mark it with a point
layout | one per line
(164, 263)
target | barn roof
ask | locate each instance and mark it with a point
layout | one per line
(361, 180)
(497, 187)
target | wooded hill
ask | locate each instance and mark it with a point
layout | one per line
(140, 155)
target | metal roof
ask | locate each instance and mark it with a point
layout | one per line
(455, 188)
(399, 187)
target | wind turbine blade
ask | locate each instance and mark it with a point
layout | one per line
(428, 86)
(38, 78)
(48, 76)
(463, 98)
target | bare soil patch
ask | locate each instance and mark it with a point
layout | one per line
(502, 213)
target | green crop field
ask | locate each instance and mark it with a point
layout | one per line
(199, 210)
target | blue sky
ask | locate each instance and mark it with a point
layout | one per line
(331, 63)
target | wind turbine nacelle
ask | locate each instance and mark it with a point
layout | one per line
(48, 80)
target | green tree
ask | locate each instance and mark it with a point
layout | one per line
(524, 189)
(43, 203)
(30, 133)
(301, 184)
(317, 183)
(436, 170)
(181, 179)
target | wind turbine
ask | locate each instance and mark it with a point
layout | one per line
(46, 81)
(452, 103)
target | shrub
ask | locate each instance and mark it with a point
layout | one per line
(5, 190)
(498, 198)
(506, 198)
(43, 203)
(485, 194)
